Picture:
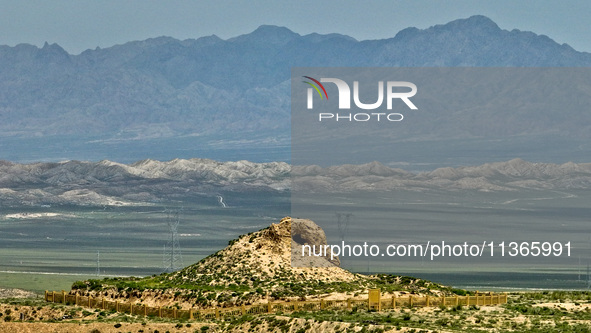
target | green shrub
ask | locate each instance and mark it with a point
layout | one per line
(79, 285)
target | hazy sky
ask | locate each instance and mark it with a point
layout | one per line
(77, 25)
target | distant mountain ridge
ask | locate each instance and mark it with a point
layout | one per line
(165, 88)
(513, 175)
(108, 183)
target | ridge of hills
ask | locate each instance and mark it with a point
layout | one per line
(512, 175)
(109, 183)
(144, 182)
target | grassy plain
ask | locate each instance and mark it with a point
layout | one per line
(130, 239)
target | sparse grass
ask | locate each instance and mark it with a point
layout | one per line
(203, 294)
(526, 312)
(38, 282)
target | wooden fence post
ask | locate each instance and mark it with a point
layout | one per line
(174, 315)
(349, 307)
(131, 308)
(443, 301)
(146, 311)
(103, 304)
(410, 301)
(191, 314)
(217, 313)
(160, 311)
(269, 307)
(322, 304)
(374, 299)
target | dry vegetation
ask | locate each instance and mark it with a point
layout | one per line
(255, 268)
(525, 312)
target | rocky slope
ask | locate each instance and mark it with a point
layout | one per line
(267, 255)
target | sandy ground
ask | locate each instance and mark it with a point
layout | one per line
(95, 327)
(570, 306)
(16, 293)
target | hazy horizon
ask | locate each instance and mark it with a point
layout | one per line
(82, 25)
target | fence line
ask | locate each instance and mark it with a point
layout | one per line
(372, 302)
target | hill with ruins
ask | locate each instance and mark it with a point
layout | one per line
(253, 268)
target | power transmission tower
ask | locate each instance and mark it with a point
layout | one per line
(588, 277)
(343, 221)
(98, 263)
(173, 259)
(165, 259)
(579, 269)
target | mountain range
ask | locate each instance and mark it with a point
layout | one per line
(208, 89)
(146, 182)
